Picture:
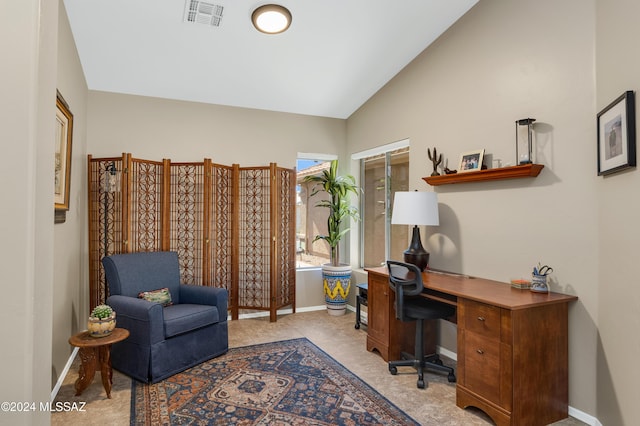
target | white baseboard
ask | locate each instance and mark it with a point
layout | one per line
(584, 417)
(287, 311)
(64, 373)
(446, 352)
(310, 308)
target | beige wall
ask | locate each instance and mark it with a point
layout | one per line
(618, 347)
(502, 61)
(71, 295)
(154, 129)
(27, 112)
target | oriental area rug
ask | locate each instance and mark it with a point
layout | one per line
(291, 382)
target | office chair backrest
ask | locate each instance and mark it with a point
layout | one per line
(405, 279)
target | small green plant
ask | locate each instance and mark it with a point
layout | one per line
(102, 312)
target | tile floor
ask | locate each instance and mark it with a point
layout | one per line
(336, 336)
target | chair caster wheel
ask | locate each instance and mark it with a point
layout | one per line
(421, 384)
(451, 378)
(357, 326)
(393, 370)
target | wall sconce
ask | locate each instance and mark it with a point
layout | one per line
(524, 142)
(110, 185)
(111, 182)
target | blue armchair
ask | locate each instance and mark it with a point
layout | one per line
(163, 340)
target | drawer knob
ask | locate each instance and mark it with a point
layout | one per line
(480, 351)
(481, 318)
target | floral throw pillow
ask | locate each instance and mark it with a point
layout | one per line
(160, 295)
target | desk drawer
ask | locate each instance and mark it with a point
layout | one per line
(482, 366)
(482, 319)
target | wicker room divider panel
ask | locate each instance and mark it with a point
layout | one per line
(187, 219)
(266, 212)
(284, 271)
(220, 241)
(232, 227)
(144, 202)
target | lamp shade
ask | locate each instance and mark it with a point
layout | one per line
(415, 208)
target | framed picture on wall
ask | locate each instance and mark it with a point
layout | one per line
(471, 161)
(617, 135)
(63, 139)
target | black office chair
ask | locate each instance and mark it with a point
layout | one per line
(405, 280)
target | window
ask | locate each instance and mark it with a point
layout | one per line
(310, 220)
(382, 174)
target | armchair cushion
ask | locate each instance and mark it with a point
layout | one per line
(185, 317)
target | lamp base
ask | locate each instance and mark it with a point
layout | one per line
(420, 260)
(416, 254)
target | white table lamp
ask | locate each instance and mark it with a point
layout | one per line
(415, 208)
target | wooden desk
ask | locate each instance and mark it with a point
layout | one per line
(512, 344)
(94, 352)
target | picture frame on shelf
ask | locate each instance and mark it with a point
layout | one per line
(617, 135)
(63, 142)
(471, 161)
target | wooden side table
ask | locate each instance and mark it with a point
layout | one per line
(96, 351)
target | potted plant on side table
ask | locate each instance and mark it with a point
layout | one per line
(102, 321)
(336, 276)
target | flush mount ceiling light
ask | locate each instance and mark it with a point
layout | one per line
(271, 18)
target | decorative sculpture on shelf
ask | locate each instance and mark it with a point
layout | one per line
(435, 160)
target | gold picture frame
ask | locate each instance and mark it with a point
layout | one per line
(63, 141)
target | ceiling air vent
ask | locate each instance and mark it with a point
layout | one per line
(199, 12)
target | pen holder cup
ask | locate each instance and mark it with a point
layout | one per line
(539, 283)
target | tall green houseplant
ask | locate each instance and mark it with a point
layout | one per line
(336, 277)
(338, 188)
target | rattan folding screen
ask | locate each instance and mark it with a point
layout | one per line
(232, 226)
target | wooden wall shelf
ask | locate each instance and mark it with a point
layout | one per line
(523, 171)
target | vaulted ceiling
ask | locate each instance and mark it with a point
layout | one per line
(335, 55)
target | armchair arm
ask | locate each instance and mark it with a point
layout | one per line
(203, 295)
(143, 319)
